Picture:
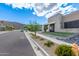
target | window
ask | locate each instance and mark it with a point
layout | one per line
(71, 24)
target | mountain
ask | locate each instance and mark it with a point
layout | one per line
(15, 24)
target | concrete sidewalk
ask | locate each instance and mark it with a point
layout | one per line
(2, 32)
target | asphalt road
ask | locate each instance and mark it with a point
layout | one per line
(15, 43)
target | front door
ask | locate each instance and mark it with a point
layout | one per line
(52, 28)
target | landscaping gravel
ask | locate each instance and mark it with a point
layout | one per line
(71, 39)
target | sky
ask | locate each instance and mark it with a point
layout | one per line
(29, 12)
(18, 15)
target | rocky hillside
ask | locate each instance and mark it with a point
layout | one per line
(15, 24)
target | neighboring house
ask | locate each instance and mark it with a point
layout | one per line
(64, 23)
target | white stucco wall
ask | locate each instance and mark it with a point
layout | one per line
(59, 20)
(71, 17)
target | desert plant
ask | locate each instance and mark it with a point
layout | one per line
(34, 36)
(49, 43)
(64, 50)
(41, 39)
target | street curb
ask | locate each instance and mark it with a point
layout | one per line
(32, 41)
(41, 48)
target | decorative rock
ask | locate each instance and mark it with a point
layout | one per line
(75, 49)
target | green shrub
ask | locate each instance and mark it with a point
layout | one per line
(34, 36)
(41, 39)
(64, 50)
(49, 43)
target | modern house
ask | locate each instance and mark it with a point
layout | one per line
(64, 23)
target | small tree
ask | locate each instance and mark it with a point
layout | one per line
(28, 27)
(8, 27)
(34, 26)
(45, 28)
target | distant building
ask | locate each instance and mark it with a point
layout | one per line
(64, 23)
(2, 28)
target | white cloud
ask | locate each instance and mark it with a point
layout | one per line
(34, 13)
(67, 9)
(42, 8)
(45, 9)
(20, 5)
(39, 1)
(52, 13)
